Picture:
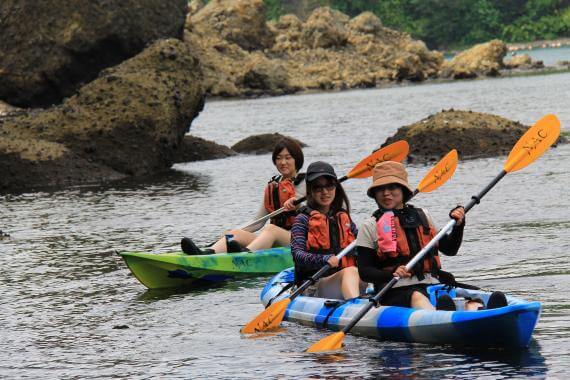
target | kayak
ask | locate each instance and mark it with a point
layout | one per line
(509, 326)
(170, 270)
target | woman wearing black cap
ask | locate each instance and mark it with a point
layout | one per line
(321, 230)
(281, 191)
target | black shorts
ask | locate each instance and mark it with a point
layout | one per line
(402, 296)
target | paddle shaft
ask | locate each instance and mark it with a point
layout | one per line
(282, 209)
(419, 256)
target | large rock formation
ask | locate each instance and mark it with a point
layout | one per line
(483, 59)
(49, 48)
(129, 121)
(473, 134)
(328, 51)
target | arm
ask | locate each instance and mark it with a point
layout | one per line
(301, 256)
(449, 244)
(367, 269)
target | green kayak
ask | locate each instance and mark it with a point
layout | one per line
(170, 270)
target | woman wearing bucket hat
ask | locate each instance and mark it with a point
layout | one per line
(395, 233)
(320, 231)
(281, 191)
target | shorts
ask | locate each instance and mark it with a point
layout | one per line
(402, 296)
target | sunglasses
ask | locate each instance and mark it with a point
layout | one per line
(390, 187)
(328, 187)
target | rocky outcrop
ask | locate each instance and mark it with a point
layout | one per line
(237, 21)
(197, 149)
(127, 122)
(483, 59)
(522, 61)
(325, 28)
(50, 48)
(473, 134)
(329, 51)
(261, 144)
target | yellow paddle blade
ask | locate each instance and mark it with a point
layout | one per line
(533, 143)
(394, 152)
(268, 319)
(328, 343)
(440, 173)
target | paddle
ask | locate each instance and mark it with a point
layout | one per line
(394, 152)
(529, 147)
(273, 315)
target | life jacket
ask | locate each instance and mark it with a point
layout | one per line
(276, 193)
(329, 234)
(413, 232)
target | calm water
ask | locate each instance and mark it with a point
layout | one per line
(70, 308)
(550, 56)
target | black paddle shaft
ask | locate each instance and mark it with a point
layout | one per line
(375, 301)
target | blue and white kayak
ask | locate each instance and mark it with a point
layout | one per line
(509, 326)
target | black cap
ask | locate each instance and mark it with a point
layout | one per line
(319, 169)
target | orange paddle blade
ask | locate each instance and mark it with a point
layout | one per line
(440, 173)
(394, 152)
(533, 143)
(328, 343)
(268, 319)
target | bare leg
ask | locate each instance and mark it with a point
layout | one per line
(242, 237)
(419, 301)
(473, 306)
(270, 236)
(343, 284)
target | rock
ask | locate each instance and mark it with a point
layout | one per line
(523, 61)
(325, 28)
(327, 52)
(194, 6)
(197, 149)
(473, 134)
(238, 21)
(127, 122)
(367, 23)
(261, 144)
(264, 76)
(7, 109)
(288, 31)
(51, 47)
(483, 59)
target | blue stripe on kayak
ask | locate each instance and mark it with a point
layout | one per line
(393, 323)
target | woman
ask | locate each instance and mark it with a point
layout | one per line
(395, 233)
(281, 191)
(321, 230)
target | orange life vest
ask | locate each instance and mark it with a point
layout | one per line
(276, 193)
(329, 234)
(413, 232)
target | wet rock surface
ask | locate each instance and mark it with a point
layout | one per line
(195, 148)
(127, 122)
(473, 134)
(261, 144)
(50, 48)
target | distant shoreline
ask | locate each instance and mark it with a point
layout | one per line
(539, 44)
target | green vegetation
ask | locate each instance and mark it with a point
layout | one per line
(445, 24)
